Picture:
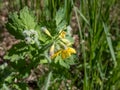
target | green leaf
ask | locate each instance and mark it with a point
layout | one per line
(59, 16)
(15, 51)
(27, 18)
(64, 64)
(9, 79)
(57, 59)
(15, 26)
(19, 22)
(70, 60)
(5, 87)
(61, 26)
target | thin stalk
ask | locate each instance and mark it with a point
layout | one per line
(85, 87)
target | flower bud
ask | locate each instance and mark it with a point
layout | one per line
(46, 31)
(51, 52)
(67, 42)
(62, 34)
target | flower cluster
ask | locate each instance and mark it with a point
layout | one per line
(65, 51)
(31, 36)
(60, 47)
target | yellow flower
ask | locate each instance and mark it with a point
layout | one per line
(67, 52)
(62, 34)
(64, 53)
(56, 54)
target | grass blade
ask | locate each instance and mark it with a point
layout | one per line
(83, 17)
(110, 44)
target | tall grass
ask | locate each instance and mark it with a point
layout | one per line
(99, 58)
(44, 8)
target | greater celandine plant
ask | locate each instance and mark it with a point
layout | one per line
(38, 44)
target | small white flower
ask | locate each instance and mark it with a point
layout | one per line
(31, 36)
(26, 33)
(30, 33)
(33, 32)
(28, 40)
